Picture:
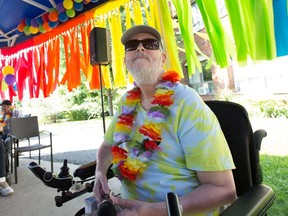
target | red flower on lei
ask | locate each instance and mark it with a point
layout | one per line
(151, 145)
(119, 154)
(126, 167)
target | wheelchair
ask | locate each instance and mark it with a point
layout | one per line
(254, 197)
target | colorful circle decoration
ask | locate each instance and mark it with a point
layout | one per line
(9, 77)
(7, 70)
(50, 20)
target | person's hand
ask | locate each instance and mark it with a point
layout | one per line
(101, 187)
(1, 128)
(132, 207)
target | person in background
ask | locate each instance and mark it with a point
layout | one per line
(163, 139)
(8, 112)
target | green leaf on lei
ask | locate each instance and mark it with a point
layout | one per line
(140, 146)
(163, 109)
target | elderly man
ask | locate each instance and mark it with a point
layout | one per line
(163, 139)
(5, 142)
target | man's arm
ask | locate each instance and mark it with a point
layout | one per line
(217, 189)
(104, 160)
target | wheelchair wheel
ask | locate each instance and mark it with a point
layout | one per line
(80, 212)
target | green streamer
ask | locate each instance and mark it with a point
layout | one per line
(236, 17)
(184, 12)
(264, 30)
(215, 30)
(257, 28)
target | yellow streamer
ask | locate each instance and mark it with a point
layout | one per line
(151, 7)
(164, 25)
(117, 50)
(137, 13)
(148, 16)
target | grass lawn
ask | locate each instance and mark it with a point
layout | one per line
(275, 174)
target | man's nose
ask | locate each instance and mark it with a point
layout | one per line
(140, 47)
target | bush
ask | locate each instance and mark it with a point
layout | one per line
(77, 114)
(274, 109)
(269, 108)
(49, 118)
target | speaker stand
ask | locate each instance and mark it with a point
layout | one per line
(102, 99)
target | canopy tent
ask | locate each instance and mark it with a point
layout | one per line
(33, 62)
(13, 12)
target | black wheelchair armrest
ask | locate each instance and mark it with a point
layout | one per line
(255, 201)
(88, 170)
(85, 171)
(258, 136)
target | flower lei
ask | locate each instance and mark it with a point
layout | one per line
(8, 116)
(128, 166)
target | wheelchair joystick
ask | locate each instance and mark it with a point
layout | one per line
(64, 170)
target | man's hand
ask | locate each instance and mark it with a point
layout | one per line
(139, 208)
(132, 207)
(104, 160)
(101, 187)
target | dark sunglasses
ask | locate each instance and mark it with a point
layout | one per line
(149, 44)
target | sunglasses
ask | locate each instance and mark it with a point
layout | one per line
(149, 44)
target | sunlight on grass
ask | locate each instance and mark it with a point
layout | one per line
(275, 173)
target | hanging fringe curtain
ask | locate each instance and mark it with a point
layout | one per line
(128, 25)
(184, 12)
(163, 23)
(71, 46)
(280, 8)
(37, 61)
(253, 29)
(38, 66)
(138, 19)
(147, 14)
(236, 16)
(119, 72)
(215, 30)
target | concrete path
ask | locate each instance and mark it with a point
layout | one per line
(33, 198)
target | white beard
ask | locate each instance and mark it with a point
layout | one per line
(145, 73)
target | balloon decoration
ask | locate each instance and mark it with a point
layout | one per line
(7, 70)
(9, 77)
(4, 85)
(50, 20)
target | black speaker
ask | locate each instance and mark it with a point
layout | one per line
(99, 46)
